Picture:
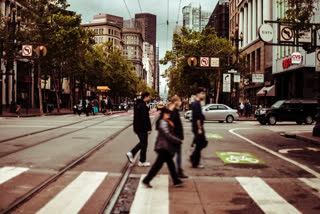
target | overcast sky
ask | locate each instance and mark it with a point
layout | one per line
(89, 8)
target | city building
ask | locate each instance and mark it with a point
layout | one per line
(148, 63)
(193, 18)
(148, 22)
(107, 28)
(157, 70)
(248, 15)
(219, 19)
(133, 46)
(293, 81)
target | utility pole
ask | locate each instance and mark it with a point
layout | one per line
(1, 52)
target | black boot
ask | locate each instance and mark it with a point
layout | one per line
(181, 174)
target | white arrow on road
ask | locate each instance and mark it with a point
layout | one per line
(285, 151)
(314, 149)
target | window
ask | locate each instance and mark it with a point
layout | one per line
(109, 31)
(258, 59)
(222, 107)
(214, 107)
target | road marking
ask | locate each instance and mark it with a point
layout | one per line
(265, 197)
(214, 136)
(314, 183)
(239, 158)
(285, 151)
(152, 200)
(304, 167)
(6, 173)
(313, 149)
(71, 199)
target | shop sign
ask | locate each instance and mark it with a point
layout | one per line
(286, 63)
(296, 58)
(258, 78)
(266, 33)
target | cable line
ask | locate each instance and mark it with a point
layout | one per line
(140, 6)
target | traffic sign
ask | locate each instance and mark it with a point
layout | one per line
(305, 37)
(318, 60)
(215, 62)
(286, 34)
(192, 61)
(258, 78)
(236, 78)
(26, 50)
(204, 61)
(226, 83)
(266, 32)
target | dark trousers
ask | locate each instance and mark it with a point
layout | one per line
(196, 155)
(163, 156)
(142, 145)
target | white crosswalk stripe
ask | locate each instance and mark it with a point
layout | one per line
(314, 183)
(75, 195)
(265, 197)
(7, 173)
(152, 200)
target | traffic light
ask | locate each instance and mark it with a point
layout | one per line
(41, 50)
(265, 92)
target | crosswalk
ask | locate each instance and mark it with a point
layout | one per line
(163, 198)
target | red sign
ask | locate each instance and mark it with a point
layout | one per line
(286, 63)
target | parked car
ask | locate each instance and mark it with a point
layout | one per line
(301, 111)
(216, 112)
(123, 107)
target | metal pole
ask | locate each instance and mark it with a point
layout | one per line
(1, 52)
(14, 24)
(316, 129)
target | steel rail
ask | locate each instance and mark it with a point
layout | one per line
(69, 166)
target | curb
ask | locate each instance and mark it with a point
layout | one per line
(308, 140)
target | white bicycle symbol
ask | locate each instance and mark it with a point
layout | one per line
(237, 159)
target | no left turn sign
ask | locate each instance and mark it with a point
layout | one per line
(286, 34)
(204, 61)
(26, 50)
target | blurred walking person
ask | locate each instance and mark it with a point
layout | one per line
(142, 127)
(166, 146)
(198, 129)
(174, 107)
(241, 106)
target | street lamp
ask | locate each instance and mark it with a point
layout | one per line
(235, 38)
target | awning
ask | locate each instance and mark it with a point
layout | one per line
(103, 88)
(270, 91)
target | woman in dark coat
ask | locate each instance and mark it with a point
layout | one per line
(166, 147)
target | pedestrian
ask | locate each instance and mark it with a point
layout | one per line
(108, 105)
(174, 107)
(165, 147)
(142, 127)
(198, 129)
(241, 106)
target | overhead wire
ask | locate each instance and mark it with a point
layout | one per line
(177, 22)
(127, 9)
(167, 23)
(140, 6)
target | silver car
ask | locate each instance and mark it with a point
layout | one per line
(216, 112)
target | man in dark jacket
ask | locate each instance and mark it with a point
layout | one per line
(197, 129)
(178, 130)
(142, 127)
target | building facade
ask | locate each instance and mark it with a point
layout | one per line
(133, 49)
(248, 15)
(194, 18)
(293, 81)
(148, 63)
(148, 22)
(107, 28)
(219, 19)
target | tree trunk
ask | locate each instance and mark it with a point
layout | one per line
(71, 93)
(56, 92)
(219, 86)
(39, 89)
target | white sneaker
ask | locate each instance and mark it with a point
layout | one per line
(144, 164)
(130, 157)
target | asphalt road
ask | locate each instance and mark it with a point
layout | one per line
(249, 168)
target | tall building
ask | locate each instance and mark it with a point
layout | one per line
(248, 15)
(193, 18)
(157, 70)
(133, 48)
(107, 28)
(219, 19)
(293, 81)
(148, 63)
(148, 23)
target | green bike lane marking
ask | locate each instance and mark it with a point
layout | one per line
(238, 158)
(214, 136)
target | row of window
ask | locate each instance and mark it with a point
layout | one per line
(100, 31)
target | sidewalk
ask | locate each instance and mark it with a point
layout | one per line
(307, 137)
(33, 112)
(246, 118)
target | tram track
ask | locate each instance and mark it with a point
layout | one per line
(56, 136)
(24, 198)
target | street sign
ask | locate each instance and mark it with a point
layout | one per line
(204, 61)
(305, 37)
(238, 158)
(286, 34)
(246, 81)
(192, 61)
(232, 71)
(296, 58)
(266, 32)
(258, 78)
(318, 60)
(236, 78)
(215, 62)
(26, 50)
(226, 83)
